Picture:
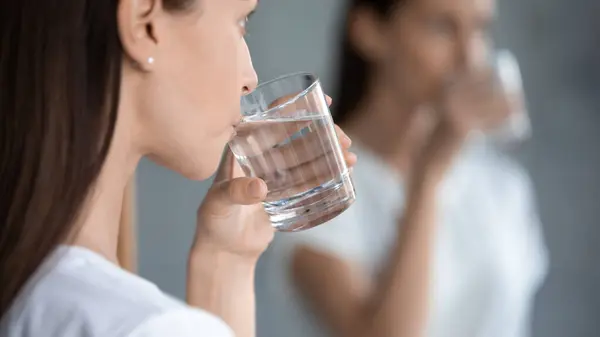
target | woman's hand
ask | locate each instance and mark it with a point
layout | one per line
(232, 219)
(473, 102)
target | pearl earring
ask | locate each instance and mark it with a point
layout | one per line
(151, 60)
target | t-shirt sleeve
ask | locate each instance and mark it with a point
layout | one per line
(537, 253)
(519, 205)
(183, 323)
(534, 227)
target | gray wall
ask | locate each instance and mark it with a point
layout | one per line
(556, 44)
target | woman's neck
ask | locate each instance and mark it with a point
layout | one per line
(387, 128)
(98, 227)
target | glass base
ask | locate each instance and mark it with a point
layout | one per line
(313, 208)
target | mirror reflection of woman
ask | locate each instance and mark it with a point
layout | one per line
(444, 239)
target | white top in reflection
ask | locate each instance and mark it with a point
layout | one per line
(490, 258)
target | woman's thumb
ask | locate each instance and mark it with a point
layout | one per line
(240, 191)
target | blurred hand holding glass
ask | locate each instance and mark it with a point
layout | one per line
(487, 97)
(287, 138)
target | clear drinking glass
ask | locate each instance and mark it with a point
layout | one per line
(517, 126)
(287, 138)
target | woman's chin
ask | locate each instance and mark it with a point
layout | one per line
(203, 169)
(193, 167)
(206, 163)
(197, 162)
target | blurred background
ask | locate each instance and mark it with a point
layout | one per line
(558, 49)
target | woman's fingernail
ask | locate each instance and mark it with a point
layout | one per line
(346, 140)
(255, 189)
(351, 157)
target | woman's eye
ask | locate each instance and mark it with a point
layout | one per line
(243, 23)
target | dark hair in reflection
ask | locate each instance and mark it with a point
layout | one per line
(60, 74)
(354, 71)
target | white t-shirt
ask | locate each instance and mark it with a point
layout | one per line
(489, 258)
(78, 293)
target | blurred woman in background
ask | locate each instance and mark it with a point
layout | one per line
(443, 239)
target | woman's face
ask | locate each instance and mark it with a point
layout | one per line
(188, 94)
(430, 40)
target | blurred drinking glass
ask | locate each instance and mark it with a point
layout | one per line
(517, 126)
(287, 138)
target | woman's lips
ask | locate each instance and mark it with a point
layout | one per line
(237, 122)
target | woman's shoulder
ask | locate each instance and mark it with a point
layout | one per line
(77, 293)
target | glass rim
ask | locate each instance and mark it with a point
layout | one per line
(290, 101)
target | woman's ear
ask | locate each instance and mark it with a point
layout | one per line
(138, 29)
(366, 31)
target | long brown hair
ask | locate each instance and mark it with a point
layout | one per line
(60, 75)
(354, 71)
